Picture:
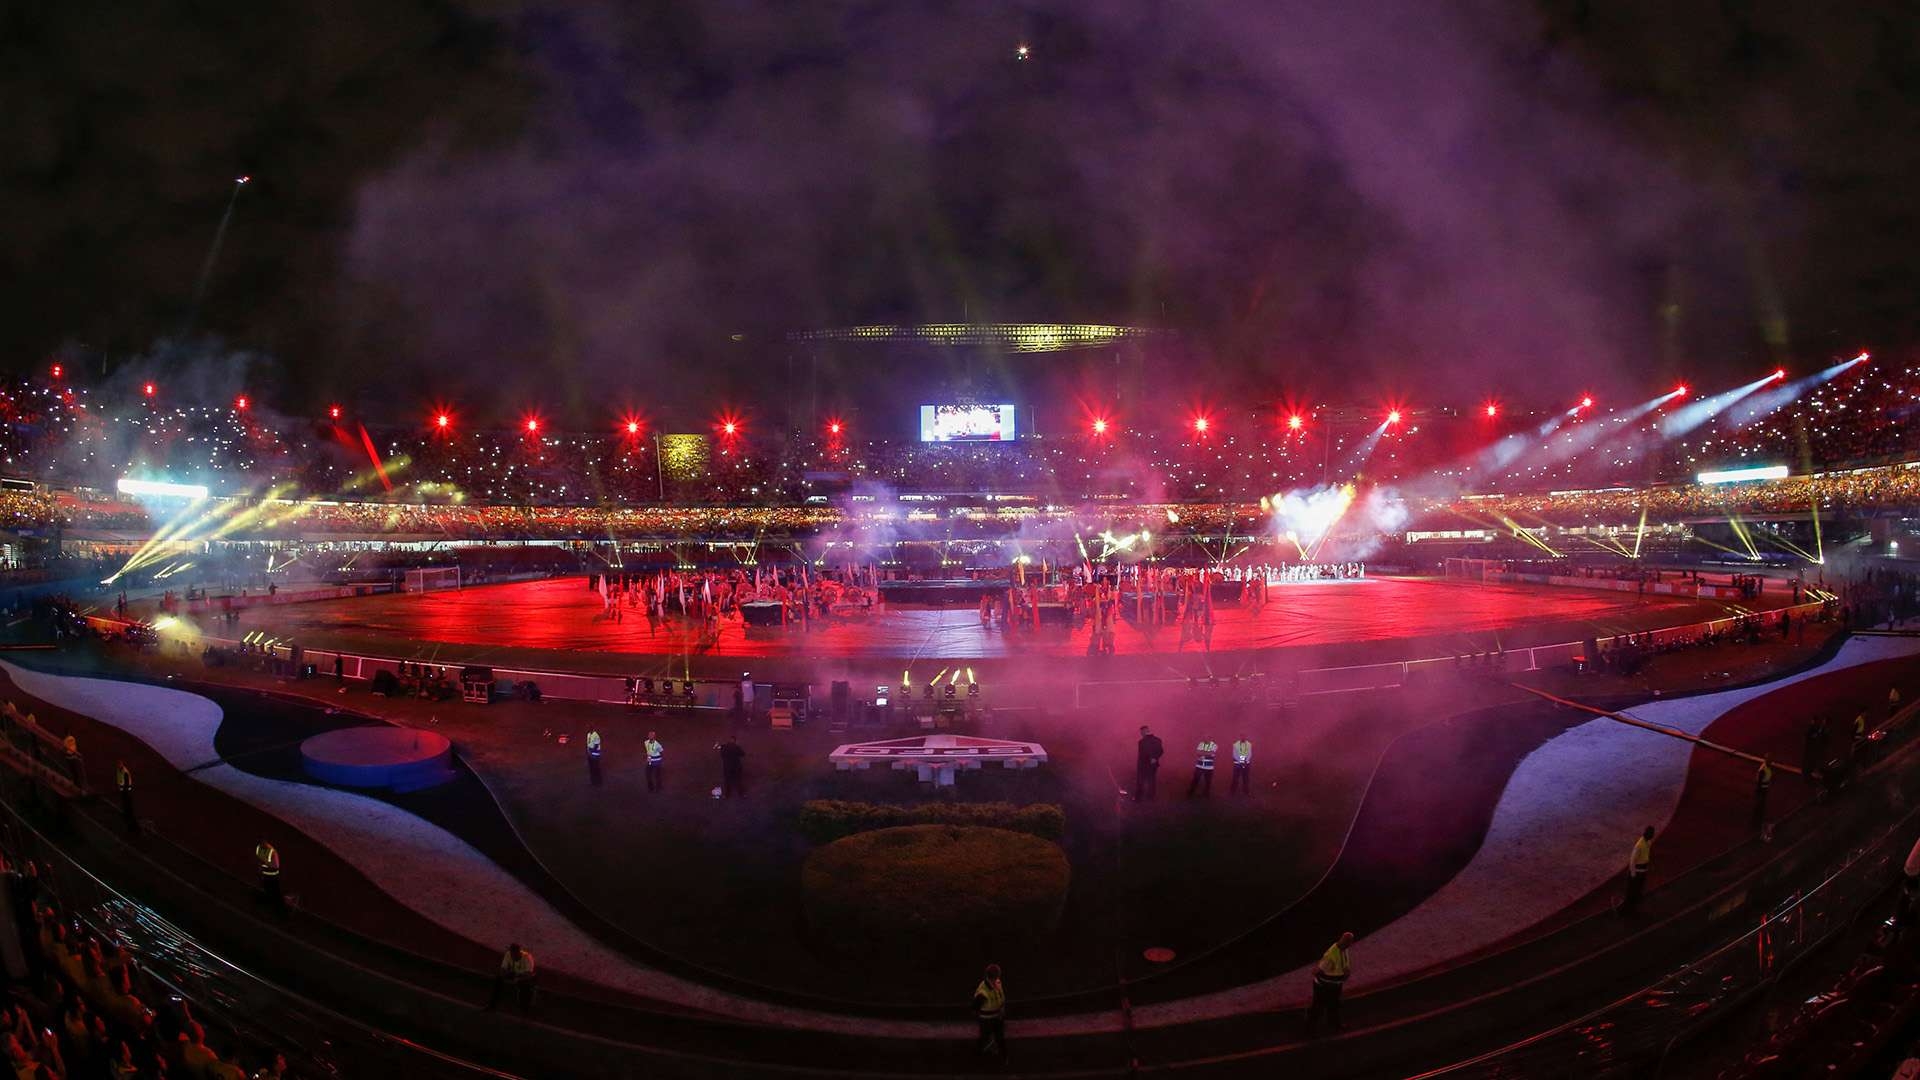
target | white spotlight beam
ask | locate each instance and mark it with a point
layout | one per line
(1766, 404)
(1692, 415)
(1738, 476)
(129, 486)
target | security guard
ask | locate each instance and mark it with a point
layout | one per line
(1202, 781)
(1146, 769)
(655, 752)
(1859, 733)
(1242, 766)
(1762, 780)
(268, 857)
(516, 974)
(1638, 864)
(1329, 979)
(123, 780)
(593, 756)
(990, 1009)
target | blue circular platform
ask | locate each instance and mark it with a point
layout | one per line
(379, 756)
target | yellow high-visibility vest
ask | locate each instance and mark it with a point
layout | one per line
(993, 998)
(1243, 752)
(1204, 753)
(1334, 966)
(1642, 856)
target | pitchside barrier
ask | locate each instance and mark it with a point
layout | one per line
(294, 594)
(201, 604)
(1492, 571)
(1678, 587)
(561, 685)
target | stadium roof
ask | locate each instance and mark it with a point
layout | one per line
(1006, 337)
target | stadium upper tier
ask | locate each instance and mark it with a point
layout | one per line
(87, 514)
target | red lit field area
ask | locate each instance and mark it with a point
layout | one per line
(560, 623)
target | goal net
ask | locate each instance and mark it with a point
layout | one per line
(1467, 569)
(426, 578)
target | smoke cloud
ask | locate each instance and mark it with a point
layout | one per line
(1329, 197)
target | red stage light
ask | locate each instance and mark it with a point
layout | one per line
(834, 427)
(1099, 426)
(1492, 410)
(1779, 373)
(1586, 403)
(442, 420)
(149, 389)
(240, 403)
(1393, 416)
(1201, 424)
(729, 428)
(1681, 390)
(633, 427)
(533, 424)
(333, 411)
(1296, 422)
(58, 371)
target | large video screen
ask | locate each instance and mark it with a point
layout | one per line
(966, 423)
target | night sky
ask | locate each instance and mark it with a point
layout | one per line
(576, 203)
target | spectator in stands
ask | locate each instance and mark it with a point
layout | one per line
(70, 748)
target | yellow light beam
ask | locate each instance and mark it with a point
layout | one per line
(1819, 545)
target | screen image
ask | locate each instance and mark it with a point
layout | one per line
(966, 423)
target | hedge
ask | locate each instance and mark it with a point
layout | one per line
(826, 820)
(933, 891)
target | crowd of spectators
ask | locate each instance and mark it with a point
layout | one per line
(87, 1008)
(318, 477)
(1862, 491)
(68, 437)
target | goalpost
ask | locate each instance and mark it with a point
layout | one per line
(1467, 569)
(425, 578)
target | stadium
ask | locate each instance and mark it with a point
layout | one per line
(1564, 586)
(893, 540)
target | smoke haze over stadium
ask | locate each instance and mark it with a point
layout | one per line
(587, 206)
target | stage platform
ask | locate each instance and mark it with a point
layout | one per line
(401, 759)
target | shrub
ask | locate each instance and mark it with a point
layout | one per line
(933, 890)
(826, 820)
